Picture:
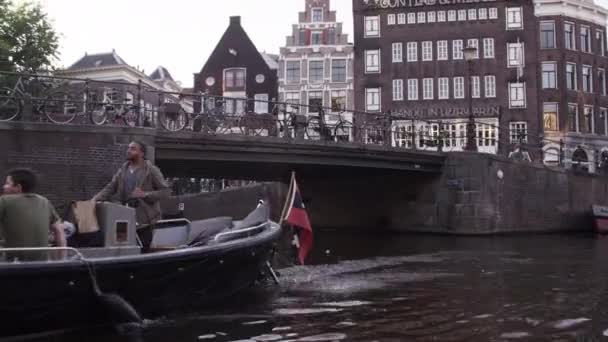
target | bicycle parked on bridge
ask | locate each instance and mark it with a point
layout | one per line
(317, 126)
(48, 101)
(112, 110)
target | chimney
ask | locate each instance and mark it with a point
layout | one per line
(235, 20)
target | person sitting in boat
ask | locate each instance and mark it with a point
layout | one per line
(139, 184)
(25, 217)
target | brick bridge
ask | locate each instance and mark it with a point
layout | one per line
(346, 186)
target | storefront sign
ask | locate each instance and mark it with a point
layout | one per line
(447, 113)
(417, 3)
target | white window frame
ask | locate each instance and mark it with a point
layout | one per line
(442, 50)
(412, 47)
(411, 18)
(427, 51)
(397, 49)
(493, 13)
(589, 41)
(604, 114)
(345, 70)
(542, 75)
(514, 18)
(462, 15)
(476, 86)
(517, 89)
(602, 81)
(589, 68)
(261, 103)
(599, 35)
(412, 89)
(375, 94)
(575, 78)
(515, 62)
(401, 19)
(589, 130)
(474, 42)
(457, 46)
(431, 17)
(459, 87)
(441, 16)
(472, 15)
(312, 14)
(488, 48)
(316, 81)
(552, 22)
(398, 90)
(443, 88)
(421, 17)
(489, 85)
(368, 25)
(556, 104)
(515, 127)
(370, 68)
(391, 19)
(573, 37)
(577, 127)
(428, 91)
(451, 15)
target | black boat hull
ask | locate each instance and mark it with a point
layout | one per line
(40, 297)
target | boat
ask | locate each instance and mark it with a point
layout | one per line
(191, 264)
(600, 218)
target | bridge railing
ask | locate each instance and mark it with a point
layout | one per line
(68, 100)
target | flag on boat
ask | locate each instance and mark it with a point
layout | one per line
(294, 213)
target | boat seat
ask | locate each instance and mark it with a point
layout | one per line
(204, 230)
(170, 233)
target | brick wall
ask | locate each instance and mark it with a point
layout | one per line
(73, 162)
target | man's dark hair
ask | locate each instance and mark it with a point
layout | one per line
(142, 146)
(24, 177)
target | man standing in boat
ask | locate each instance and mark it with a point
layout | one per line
(25, 217)
(139, 184)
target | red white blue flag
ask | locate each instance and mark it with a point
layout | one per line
(295, 214)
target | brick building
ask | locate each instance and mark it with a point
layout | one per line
(316, 64)
(409, 61)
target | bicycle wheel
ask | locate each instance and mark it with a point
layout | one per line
(10, 104)
(341, 132)
(98, 114)
(131, 117)
(60, 107)
(313, 128)
(174, 122)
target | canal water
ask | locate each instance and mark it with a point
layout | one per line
(379, 287)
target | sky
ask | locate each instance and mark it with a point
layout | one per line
(178, 34)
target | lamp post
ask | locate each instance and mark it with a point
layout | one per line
(471, 145)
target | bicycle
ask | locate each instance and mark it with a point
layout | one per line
(317, 127)
(112, 111)
(57, 105)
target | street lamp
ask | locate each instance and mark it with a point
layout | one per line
(470, 53)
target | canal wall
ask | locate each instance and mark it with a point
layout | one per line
(487, 194)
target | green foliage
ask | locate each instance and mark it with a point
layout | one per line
(28, 42)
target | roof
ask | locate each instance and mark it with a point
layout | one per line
(161, 74)
(98, 60)
(271, 60)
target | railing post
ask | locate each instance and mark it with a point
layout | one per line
(413, 134)
(142, 115)
(561, 152)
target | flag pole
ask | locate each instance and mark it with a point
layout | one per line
(288, 198)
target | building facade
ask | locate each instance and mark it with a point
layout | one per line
(572, 77)
(410, 63)
(316, 66)
(238, 71)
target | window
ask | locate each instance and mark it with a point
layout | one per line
(515, 53)
(338, 100)
(430, 17)
(401, 18)
(588, 120)
(397, 90)
(421, 17)
(550, 116)
(572, 117)
(390, 19)
(483, 13)
(587, 79)
(490, 86)
(547, 35)
(599, 35)
(302, 38)
(442, 50)
(488, 48)
(585, 39)
(493, 13)
(317, 15)
(549, 75)
(474, 43)
(261, 103)
(315, 72)
(571, 76)
(292, 71)
(315, 101)
(234, 79)
(518, 132)
(604, 116)
(517, 95)
(372, 61)
(459, 87)
(338, 70)
(332, 35)
(372, 26)
(601, 80)
(372, 99)
(476, 87)
(440, 16)
(569, 36)
(411, 18)
(412, 89)
(514, 18)
(451, 15)
(316, 38)
(397, 52)
(427, 51)
(473, 14)
(412, 51)
(427, 89)
(444, 88)
(462, 15)
(457, 49)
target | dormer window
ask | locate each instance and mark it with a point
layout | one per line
(317, 15)
(316, 38)
(234, 79)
